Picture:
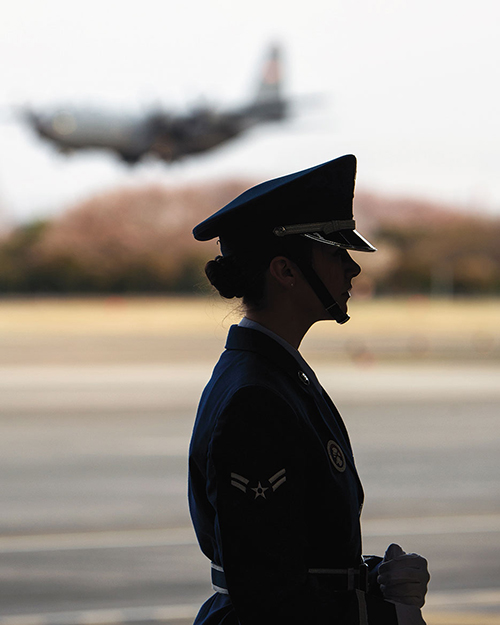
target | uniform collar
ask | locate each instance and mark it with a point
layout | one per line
(253, 340)
(253, 325)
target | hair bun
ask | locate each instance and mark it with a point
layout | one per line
(226, 276)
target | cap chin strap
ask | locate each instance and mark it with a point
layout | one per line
(324, 296)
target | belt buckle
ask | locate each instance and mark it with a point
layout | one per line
(363, 576)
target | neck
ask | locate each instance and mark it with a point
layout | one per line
(288, 326)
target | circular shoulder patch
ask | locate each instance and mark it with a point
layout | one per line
(336, 455)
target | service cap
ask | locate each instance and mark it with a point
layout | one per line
(315, 202)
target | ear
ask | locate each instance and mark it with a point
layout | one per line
(284, 271)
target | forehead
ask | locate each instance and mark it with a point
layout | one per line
(329, 254)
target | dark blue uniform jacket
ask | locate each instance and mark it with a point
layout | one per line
(274, 492)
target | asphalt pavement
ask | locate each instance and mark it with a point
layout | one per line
(94, 525)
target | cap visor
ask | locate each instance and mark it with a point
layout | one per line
(346, 239)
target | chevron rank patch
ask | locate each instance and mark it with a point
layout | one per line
(262, 489)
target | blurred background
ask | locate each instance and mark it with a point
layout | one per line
(122, 125)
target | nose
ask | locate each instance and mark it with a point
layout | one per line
(353, 268)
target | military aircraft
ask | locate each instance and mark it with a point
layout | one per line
(166, 135)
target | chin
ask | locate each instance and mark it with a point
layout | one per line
(342, 302)
(323, 315)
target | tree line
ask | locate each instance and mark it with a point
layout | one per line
(138, 240)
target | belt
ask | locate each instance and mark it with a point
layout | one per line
(338, 580)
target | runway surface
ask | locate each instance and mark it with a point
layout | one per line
(94, 525)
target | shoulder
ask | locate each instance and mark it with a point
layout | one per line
(257, 403)
(244, 375)
(256, 423)
(255, 417)
(258, 392)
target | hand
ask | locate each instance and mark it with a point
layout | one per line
(403, 577)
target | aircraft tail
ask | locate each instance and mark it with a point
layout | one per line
(269, 103)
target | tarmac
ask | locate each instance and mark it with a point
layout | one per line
(94, 431)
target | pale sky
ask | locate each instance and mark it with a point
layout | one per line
(412, 88)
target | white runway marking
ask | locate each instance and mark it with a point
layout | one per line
(180, 385)
(456, 600)
(462, 598)
(97, 617)
(185, 535)
(421, 526)
(98, 540)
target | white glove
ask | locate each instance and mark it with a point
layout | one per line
(403, 577)
(409, 614)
